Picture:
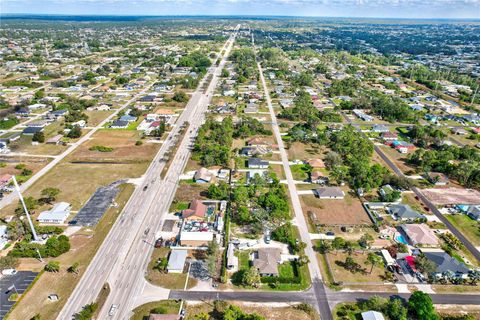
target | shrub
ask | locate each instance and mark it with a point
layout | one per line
(101, 149)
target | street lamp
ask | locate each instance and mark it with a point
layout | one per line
(35, 237)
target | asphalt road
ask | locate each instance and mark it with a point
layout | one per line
(309, 297)
(21, 280)
(313, 266)
(124, 255)
(470, 247)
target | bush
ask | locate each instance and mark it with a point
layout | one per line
(138, 143)
(100, 149)
(54, 247)
(39, 137)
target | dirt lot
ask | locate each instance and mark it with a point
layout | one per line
(348, 211)
(84, 244)
(446, 196)
(187, 192)
(398, 158)
(123, 144)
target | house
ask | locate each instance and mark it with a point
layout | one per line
(119, 124)
(30, 131)
(202, 176)
(155, 316)
(318, 177)
(251, 108)
(128, 118)
(176, 261)
(57, 113)
(197, 211)
(23, 112)
(55, 140)
(196, 238)
(474, 212)
(445, 263)
(404, 212)
(380, 128)
(4, 148)
(315, 163)
(372, 315)
(419, 234)
(256, 163)
(57, 215)
(459, 131)
(402, 146)
(266, 260)
(438, 179)
(36, 106)
(5, 179)
(232, 260)
(360, 114)
(330, 193)
(389, 136)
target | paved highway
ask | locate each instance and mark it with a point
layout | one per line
(313, 266)
(123, 257)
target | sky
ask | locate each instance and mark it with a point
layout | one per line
(320, 8)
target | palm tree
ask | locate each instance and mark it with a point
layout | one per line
(374, 260)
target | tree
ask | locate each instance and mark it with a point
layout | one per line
(374, 260)
(73, 268)
(365, 241)
(332, 159)
(87, 312)
(52, 266)
(424, 265)
(8, 262)
(303, 260)
(219, 192)
(338, 243)
(75, 132)
(420, 306)
(251, 277)
(50, 194)
(180, 96)
(39, 137)
(395, 310)
(30, 202)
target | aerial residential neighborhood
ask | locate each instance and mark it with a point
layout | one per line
(239, 168)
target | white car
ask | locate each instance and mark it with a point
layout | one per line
(112, 310)
(9, 272)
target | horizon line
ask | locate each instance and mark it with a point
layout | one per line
(218, 15)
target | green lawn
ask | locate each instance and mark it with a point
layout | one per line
(162, 307)
(299, 171)
(286, 270)
(469, 227)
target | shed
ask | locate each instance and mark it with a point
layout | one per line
(176, 261)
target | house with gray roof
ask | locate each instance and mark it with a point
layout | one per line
(330, 193)
(445, 263)
(176, 261)
(266, 260)
(404, 212)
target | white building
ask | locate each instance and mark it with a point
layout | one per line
(57, 215)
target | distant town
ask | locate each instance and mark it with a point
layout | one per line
(238, 168)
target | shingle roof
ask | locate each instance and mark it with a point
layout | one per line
(445, 262)
(267, 260)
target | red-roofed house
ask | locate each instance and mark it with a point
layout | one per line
(5, 179)
(197, 211)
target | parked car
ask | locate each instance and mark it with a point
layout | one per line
(112, 310)
(9, 272)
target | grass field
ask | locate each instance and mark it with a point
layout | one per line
(299, 172)
(300, 151)
(344, 275)
(469, 227)
(96, 116)
(166, 306)
(163, 279)
(84, 245)
(24, 145)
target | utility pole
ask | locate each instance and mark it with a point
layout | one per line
(474, 95)
(35, 237)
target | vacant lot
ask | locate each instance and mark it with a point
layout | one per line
(446, 196)
(266, 310)
(348, 211)
(123, 144)
(398, 158)
(84, 245)
(24, 145)
(96, 116)
(187, 192)
(362, 274)
(468, 227)
(301, 151)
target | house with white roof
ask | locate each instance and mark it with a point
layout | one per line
(57, 215)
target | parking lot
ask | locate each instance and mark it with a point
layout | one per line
(21, 281)
(96, 206)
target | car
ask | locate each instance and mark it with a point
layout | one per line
(112, 310)
(183, 312)
(145, 188)
(330, 233)
(9, 272)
